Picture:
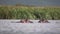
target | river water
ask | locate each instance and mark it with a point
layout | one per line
(31, 2)
(11, 27)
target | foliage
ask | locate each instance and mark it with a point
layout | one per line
(7, 12)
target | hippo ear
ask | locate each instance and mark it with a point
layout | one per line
(30, 22)
(39, 21)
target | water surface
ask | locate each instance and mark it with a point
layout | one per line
(11, 27)
(31, 2)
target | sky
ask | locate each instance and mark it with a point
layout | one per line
(31, 2)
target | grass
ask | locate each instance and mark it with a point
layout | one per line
(21, 12)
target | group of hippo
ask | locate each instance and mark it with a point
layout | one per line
(28, 21)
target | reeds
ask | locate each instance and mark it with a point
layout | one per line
(29, 12)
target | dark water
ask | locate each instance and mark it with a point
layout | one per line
(31, 2)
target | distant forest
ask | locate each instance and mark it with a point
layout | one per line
(25, 5)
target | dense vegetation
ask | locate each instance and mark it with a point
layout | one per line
(7, 12)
